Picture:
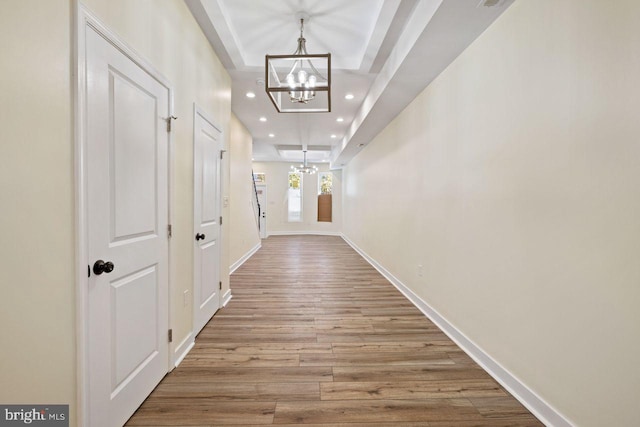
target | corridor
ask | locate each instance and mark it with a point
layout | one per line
(315, 336)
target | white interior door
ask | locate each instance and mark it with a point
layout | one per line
(262, 199)
(127, 215)
(207, 152)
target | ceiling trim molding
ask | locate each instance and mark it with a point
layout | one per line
(404, 76)
(202, 18)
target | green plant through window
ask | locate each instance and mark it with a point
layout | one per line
(294, 181)
(294, 197)
(326, 183)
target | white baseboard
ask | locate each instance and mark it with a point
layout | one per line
(244, 258)
(226, 298)
(183, 349)
(187, 344)
(534, 403)
(299, 233)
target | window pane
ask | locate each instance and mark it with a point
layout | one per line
(325, 183)
(295, 197)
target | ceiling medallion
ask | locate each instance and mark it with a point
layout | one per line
(295, 83)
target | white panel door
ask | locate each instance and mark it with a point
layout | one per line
(262, 199)
(127, 215)
(206, 207)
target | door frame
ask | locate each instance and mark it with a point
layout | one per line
(199, 111)
(264, 230)
(83, 20)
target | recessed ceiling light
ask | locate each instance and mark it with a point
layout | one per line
(263, 119)
(250, 95)
(271, 135)
(339, 119)
(349, 96)
(334, 136)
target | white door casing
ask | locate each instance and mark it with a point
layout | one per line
(261, 190)
(125, 171)
(207, 153)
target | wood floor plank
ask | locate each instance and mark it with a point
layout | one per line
(261, 348)
(407, 373)
(314, 336)
(234, 374)
(253, 337)
(380, 337)
(498, 407)
(239, 391)
(375, 411)
(201, 411)
(387, 359)
(520, 421)
(378, 347)
(449, 389)
(248, 360)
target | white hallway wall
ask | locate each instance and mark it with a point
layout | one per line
(243, 227)
(513, 179)
(37, 307)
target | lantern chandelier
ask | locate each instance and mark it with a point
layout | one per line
(294, 83)
(304, 168)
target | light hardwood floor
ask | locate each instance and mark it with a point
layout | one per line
(315, 336)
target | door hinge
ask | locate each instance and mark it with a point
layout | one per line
(220, 285)
(220, 220)
(221, 153)
(168, 119)
(170, 335)
(169, 230)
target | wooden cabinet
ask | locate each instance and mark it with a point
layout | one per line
(324, 208)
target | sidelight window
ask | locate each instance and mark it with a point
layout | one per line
(294, 197)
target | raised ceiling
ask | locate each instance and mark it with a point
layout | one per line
(384, 52)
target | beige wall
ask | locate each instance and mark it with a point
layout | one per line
(514, 180)
(277, 175)
(243, 226)
(37, 224)
(37, 307)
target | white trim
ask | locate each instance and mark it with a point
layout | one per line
(83, 19)
(170, 198)
(183, 349)
(81, 258)
(534, 403)
(299, 233)
(233, 267)
(263, 232)
(226, 298)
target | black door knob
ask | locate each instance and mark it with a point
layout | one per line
(100, 267)
(200, 236)
(108, 267)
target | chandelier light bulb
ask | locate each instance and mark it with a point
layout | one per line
(302, 77)
(291, 81)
